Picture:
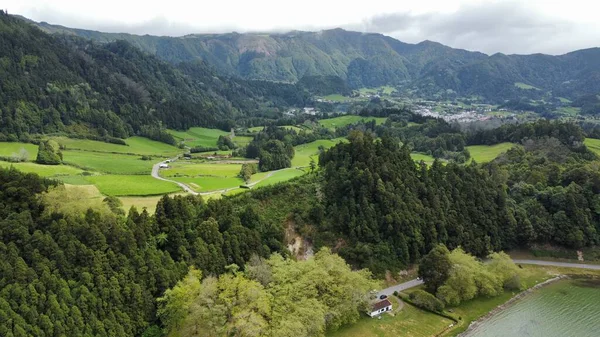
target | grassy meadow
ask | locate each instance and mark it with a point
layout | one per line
(410, 321)
(135, 145)
(198, 136)
(108, 163)
(386, 90)
(332, 123)
(192, 169)
(307, 151)
(420, 156)
(593, 145)
(9, 149)
(336, 98)
(132, 185)
(280, 176)
(525, 86)
(43, 170)
(487, 153)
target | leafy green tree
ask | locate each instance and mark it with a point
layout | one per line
(434, 268)
(49, 153)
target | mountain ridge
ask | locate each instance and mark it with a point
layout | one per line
(429, 69)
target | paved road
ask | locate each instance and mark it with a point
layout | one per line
(155, 175)
(399, 287)
(413, 283)
(187, 188)
(559, 264)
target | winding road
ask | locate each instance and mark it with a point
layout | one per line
(559, 264)
(416, 282)
(188, 189)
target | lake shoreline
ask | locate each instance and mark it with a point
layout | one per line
(508, 303)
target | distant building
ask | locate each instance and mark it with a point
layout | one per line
(310, 111)
(380, 307)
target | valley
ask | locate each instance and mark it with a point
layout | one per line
(293, 184)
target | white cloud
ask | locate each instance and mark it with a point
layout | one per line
(489, 26)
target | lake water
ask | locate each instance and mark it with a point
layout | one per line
(563, 309)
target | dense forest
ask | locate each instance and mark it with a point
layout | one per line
(100, 271)
(52, 84)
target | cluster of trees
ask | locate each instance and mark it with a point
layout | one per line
(274, 147)
(456, 276)
(49, 153)
(567, 133)
(391, 211)
(247, 171)
(432, 136)
(224, 143)
(273, 297)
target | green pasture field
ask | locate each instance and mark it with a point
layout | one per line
(132, 185)
(44, 170)
(199, 136)
(410, 321)
(242, 141)
(191, 169)
(487, 153)
(107, 163)
(420, 156)
(304, 152)
(256, 129)
(525, 86)
(332, 123)
(593, 145)
(288, 127)
(8, 149)
(135, 145)
(207, 184)
(387, 90)
(279, 176)
(336, 98)
(73, 180)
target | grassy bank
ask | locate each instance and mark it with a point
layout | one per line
(412, 321)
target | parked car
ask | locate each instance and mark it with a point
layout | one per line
(382, 297)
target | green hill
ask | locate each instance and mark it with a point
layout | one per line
(69, 85)
(372, 60)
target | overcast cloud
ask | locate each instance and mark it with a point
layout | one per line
(552, 27)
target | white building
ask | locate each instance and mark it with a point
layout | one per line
(380, 307)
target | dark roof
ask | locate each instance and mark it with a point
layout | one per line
(381, 304)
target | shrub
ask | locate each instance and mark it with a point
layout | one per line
(426, 300)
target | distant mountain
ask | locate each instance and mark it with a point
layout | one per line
(371, 60)
(66, 84)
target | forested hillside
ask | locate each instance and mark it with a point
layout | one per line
(372, 60)
(98, 273)
(68, 271)
(70, 85)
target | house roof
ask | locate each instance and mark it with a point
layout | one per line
(381, 304)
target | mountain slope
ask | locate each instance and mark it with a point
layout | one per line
(371, 60)
(70, 85)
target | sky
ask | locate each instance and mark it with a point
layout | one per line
(510, 27)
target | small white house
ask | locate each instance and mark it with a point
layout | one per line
(163, 166)
(380, 307)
